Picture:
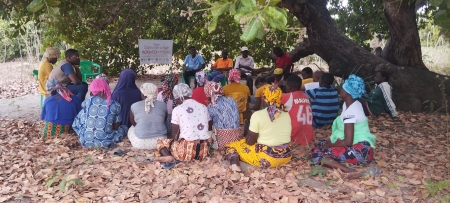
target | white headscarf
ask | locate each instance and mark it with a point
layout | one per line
(182, 90)
(52, 52)
(150, 91)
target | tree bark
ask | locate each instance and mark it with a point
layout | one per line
(403, 46)
(411, 86)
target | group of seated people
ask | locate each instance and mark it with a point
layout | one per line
(183, 124)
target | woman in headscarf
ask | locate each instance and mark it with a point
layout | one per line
(267, 143)
(59, 109)
(198, 93)
(224, 114)
(239, 92)
(99, 122)
(148, 119)
(126, 93)
(190, 130)
(351, 141)
(167, 84)
(104, 77)
(51, 55)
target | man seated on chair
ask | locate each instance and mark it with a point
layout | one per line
(220, 67)
(380, 98)
(51, 55)
(283, 61)
(192, 64)
(245, 64)
(315, 83)
(307, 75)
(68, 73)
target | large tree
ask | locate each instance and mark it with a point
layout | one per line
(413, 83)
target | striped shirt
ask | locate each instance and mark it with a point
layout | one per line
(324, 104)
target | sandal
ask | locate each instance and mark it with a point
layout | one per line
(169, 165)
(120, 152)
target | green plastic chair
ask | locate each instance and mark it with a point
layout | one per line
(35, 73)
(89, 69)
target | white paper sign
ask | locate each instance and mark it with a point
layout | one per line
(155, 51)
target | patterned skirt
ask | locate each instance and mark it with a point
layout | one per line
(358, 154)
(51, 130)
(142, 143)
(184, 150)
(258, 154)
(226, 136)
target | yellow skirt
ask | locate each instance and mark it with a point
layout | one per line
(258, 154)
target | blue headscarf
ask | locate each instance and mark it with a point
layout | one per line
(354, 86)
(126, 93)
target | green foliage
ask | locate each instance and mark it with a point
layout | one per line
(434, 187)
(442, 15)
(255, 16)
(429, 105)
(88, 160)
(317, 169)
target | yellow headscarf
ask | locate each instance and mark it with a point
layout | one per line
(272, 95)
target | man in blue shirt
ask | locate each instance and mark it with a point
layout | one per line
(324, 101)
(68, 73)
(192, 64)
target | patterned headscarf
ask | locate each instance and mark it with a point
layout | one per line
(168, 83)
(182, 90)
(100, 86)
(213, 90)
(200, 76)
(234, 76)
(103, 77)
(354, 86)
(272, 95)
(150, 91)
(54, 85)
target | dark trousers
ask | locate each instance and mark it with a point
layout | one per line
(188, 74)
(79, 90)
(248, 78)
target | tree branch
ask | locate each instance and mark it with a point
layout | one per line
(113, 14)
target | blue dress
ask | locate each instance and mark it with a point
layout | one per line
(94, 123)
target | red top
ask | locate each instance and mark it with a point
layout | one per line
(297, 103)
(198, 94)
(283, 61)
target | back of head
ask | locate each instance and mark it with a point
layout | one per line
(294, 82)
(270, 80)
(385, 75)
(101, 88)
(260, 80)
(307, 70)
(326, 80)
(70, 52)
(317, 75)
(277, 51)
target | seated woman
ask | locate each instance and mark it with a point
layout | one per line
(98, 122)
(168, 82)
(351, 141)
(239, 92)
(267, 143)
(148, 119)
(198, 93)
(59, 109)
(224, 114)
(190, 135)
(126, 93)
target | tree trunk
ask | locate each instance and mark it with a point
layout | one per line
(403, 46)
(412, 86)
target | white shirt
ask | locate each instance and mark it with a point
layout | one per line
(193, 118)
(311, 85)
(353, 114)
(244, 62)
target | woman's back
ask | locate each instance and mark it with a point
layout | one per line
(59, 111)
(271, 133)
(149, 125)
(99, 116)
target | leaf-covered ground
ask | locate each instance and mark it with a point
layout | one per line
(412, 153)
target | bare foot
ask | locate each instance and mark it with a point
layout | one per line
(164, 159)
(353, 175)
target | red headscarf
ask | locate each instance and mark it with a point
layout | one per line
(234, 76)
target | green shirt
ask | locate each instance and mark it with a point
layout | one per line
(361, 132)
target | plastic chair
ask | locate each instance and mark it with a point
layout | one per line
(89, 69)
(182, 78)
(35, 73)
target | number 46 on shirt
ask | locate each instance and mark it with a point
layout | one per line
(304, 115)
